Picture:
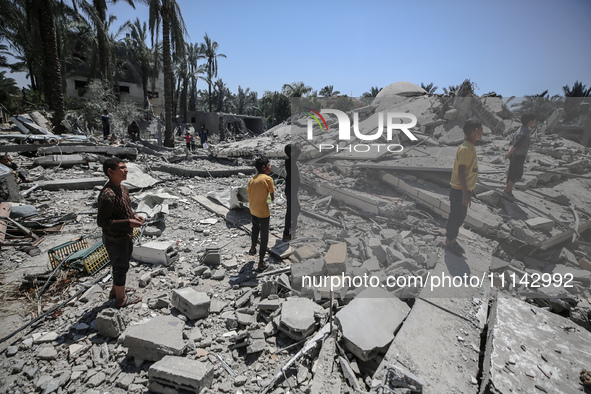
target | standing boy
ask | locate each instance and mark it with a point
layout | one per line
(203, 136)
(259, 188)
(292, 186)
(117, 219)
(519, 147)
(463, 181)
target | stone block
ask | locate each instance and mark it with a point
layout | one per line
(490, 197)
(180, 374)
(368, 322)
(525, 235)
(566, 256)
(298, 317)
(212, 257)
(306, 252)
(193, 304)
(542, 224)
(156, 338)
(335, 259)
(110, 323)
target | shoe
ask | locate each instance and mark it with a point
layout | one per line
(262, 267)
(252, 252)
(286, 238)
(129, 301)
(128, 290)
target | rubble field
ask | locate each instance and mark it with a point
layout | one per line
(208, 322)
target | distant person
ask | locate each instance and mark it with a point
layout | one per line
(7, 161)
(189, 140)
(106, 121)
(117, 219)
(463, 181)
(203, 134)
(260, 189)
(518, 151)
(292, 186)
(134, 131)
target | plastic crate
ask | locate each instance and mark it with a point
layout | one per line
(58, 253)
(91, 259)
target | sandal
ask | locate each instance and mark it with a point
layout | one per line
(129, 301)
(128, 290)
(262, 267)
(252, 252)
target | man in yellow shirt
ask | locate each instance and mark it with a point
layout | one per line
(259, 188)
(463, 181)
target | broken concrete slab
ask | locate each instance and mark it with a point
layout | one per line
(543, 224)
(155, 338)
(72, 184)
(370, 321)
(532, 350)
(180, 374)
(110, 323)
(325, 370)
(60, 160)
(298, 317)
(192, 303)
(335, 259)
(108, 150)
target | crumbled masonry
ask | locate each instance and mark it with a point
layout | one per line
(494, 320)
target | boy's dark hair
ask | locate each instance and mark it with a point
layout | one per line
(526, 118)
(111, 164)
(470, 126)
(259, 163)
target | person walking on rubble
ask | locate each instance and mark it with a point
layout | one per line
(518, 151)
(463, 181)
(106, 122)
(203, 136)
(134, 131)
(260, 189)
(189, 140)
(292, 186)
(117, 220)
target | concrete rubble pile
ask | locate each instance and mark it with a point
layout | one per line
(208, 322)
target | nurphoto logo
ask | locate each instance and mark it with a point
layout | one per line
(392, 120)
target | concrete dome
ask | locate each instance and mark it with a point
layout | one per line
(402, 88)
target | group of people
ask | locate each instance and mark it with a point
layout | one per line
(117, 218)
(133, 130)
(465, 174)
(190, 139)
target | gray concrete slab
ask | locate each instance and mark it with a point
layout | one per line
(154, 339)
(178, 374)
(192, 303)
(297, 318)
(369, 322)
(531, 350)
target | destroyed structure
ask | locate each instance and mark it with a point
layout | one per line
(209, 323)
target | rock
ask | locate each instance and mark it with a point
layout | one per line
(110, 323)
(46, 352)
(542, 224)
(298, 319)
(180, 374)
(155, 338)
(193, 304)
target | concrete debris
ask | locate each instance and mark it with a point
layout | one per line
(370, 321)
(211, 322)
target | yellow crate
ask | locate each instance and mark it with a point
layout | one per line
(58, 253)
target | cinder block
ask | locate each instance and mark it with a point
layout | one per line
(193, 304)
(306, 252)
(179, 374)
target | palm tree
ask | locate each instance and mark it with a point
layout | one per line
(52, 74)
(373, 92)
(140, 53)
(328, 91)
(194, 54)
(540, 104)
(578, 90)
(430, 88)
(209, 49)
(296, 89)
(8, 92)
(168, 14)
(572, 101)
(451, 90)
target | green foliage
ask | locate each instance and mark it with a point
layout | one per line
(373, 92)
(430, 88)
(9, 92)
(101, 98)
(540, 104)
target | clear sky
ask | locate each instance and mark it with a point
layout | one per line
(516, 47)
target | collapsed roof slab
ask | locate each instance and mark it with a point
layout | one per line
(118, 151)
(440, 338)
(434, 198)
(72, 184)
(532, 350)
(189, 172)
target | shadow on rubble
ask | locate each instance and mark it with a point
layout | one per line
(456, 265)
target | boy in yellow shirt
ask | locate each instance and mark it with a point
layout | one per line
(463, 181)
(259, 188)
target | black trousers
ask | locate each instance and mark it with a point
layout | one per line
(457, 213)
(119, 254)
(515, 168)
(260, 225)
(292, 212)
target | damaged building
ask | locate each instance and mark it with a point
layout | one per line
(363, 299)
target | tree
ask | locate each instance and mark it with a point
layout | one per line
(451, 90)
(167, 13)
(430, 88)
(540, 104)
(373, 92)
(328, 91)
(9, 92)
(194, 54)
(52, 74)
(141, 54)
(578, 90)
(573, 99)
(209, 49)
(296, 89)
